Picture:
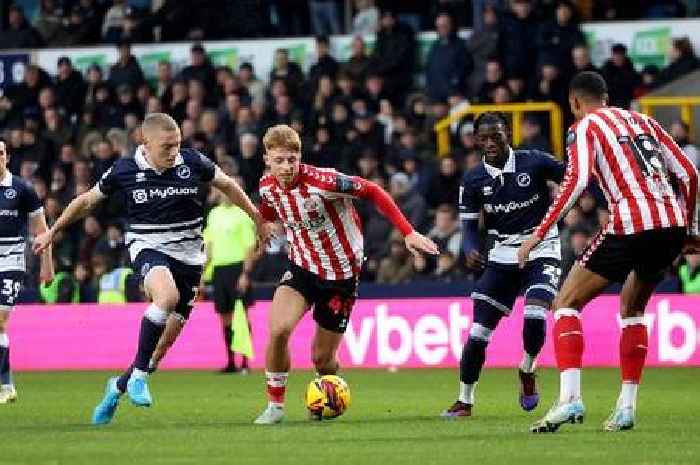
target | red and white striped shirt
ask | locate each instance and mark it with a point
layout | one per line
(631, 156)
(321, 223)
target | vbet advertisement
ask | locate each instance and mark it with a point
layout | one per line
(391, 333)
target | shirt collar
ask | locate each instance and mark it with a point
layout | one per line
(142, 161)
(509, 167)
(7, 180)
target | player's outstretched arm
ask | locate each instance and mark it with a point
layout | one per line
(415, 241)
(38, 227)
(76, 209)
(233, 191)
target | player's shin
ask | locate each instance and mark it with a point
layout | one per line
(534, 330)
(152, 328)
(633, 352)
(568, 347)
(276, 387)
(473, 358)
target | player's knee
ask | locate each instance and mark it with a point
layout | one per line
(166, 299)
(568, 298)
(324, 362)
(627, 311)
(480, 333)
(280, 332)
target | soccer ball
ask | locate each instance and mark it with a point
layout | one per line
(327, 397)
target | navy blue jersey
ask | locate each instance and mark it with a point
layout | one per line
(514, 201)
(164, 209)
(18, 201)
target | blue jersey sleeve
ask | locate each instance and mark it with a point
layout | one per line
(109, 182)
(552, 169)
(469, 204)
(208, 168)
(30, 199)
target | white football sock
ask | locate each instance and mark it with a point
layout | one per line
(628, 395)
(527, 364)
(570, 385)
(466, 393)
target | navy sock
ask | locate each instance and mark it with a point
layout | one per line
(534, 330)
(473, 358)
(148, 340)
(5, 375)
(124, 378)
(228, 339)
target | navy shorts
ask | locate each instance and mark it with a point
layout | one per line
(186, 277)
(500, 284)
(10, 284)
(332, 300)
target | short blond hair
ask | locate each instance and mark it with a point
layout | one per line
(282, 136)
(158, 121)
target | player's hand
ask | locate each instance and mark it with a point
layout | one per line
(524, 250)
(417, 243)
(691, 245)
(474, 260)
(42, 242)
(46, 276)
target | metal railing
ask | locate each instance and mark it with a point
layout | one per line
(685, 103)
(442, 127)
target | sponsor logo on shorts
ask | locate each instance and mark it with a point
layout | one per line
(10, 193)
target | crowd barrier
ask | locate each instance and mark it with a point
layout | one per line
(382, 333)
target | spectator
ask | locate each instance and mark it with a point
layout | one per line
(444, 188)
(325, 64)
(113, 23)
(255, 87)
(446, 269)
(49, 21)
(200, 68)
(446, 232)
(649, 80)
(532, 135)
(518, 44)
(19, 33)
(24, 95)
(448, 63)
(494, 79)
(581, 59)
(549, 86)
(482, 47)
(82, 274)
(397, 267)
(579, 238)
(127, 69)
(681, 134)
(409, 201)
(682, 61)
(325, 19)
(394, 55)
(289, 71)
(557, 38)
(621, 77)
(358, 63)
(92, 234)
(70, 88)
(366, 20)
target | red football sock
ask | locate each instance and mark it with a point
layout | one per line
(568, 339)
(276, 387)
(633, 352)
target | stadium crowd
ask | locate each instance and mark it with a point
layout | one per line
(367, 116)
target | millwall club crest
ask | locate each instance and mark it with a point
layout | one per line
(140, 176)
(10, 193)
(523, 179)
(183, 171)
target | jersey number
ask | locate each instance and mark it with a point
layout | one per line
(647, 152)
(10, 288)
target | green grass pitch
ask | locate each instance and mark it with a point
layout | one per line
(206, 418)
